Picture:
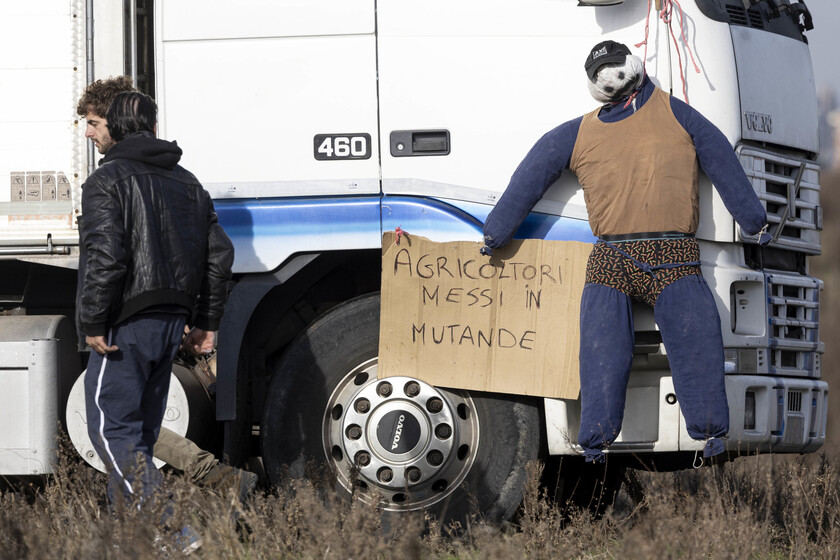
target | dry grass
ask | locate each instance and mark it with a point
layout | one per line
(759, 507)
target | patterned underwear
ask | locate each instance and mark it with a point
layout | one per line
(667, 261)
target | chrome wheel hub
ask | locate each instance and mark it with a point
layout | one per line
(410, 443)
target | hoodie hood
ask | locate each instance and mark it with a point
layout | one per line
(144, 147)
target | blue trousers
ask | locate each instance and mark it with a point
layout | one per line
(690, 326)
(125, 398)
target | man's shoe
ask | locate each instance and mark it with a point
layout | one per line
(221, 478)
(187, 540)
(247, 484)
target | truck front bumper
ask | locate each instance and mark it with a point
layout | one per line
(767, 414)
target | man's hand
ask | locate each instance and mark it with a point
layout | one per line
(199, 342)
(99, 344)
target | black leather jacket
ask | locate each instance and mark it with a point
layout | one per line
(149, 237)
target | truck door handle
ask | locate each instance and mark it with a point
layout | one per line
(405, 143)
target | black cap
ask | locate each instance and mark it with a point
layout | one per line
(605, 52)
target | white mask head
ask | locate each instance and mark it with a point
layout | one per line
(616, 81)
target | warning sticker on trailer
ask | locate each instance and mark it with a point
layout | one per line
(39, 200)
(39, 186)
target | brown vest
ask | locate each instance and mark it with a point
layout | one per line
(638, 174)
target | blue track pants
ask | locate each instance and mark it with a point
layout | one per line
(125, 397)
(690, 326)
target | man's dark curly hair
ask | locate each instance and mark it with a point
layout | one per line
(97, 96)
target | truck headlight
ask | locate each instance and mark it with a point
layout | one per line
(740, 360)
(730, 360)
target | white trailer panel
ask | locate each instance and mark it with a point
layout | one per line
(43, 157)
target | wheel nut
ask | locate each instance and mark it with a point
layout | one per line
(412, 389)
(385, 475)
(413, 474)
(363, 458)
(434, 405)
(362, 406)
(434, 458)
(443, 431)
(384, 389)
(354, 432)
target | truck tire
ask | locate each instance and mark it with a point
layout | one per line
(413, 446)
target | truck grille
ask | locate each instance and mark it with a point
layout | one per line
(739, 16)
(790, 191)
(794, 401)
(793, 309)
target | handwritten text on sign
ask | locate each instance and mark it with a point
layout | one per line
(506, 323)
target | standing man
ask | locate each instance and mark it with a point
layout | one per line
(153, 259)
(637, 159)
(199, 465)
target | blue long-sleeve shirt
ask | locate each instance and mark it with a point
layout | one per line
(553, 152)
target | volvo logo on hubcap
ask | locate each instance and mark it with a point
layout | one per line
(398, 432)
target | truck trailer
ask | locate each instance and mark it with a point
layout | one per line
(318, 125)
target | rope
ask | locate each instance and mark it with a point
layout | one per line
(666, 15)
(647, 32)
(632, 99)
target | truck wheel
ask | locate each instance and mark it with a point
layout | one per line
(411, 445)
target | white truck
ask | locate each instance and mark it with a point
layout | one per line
(318, 124)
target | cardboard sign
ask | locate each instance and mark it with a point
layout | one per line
(509, 323)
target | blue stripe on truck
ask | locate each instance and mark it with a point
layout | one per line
(266, 232)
